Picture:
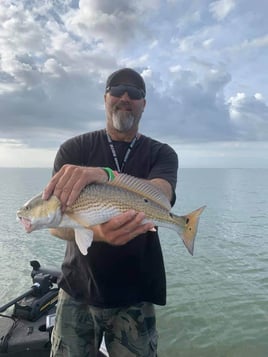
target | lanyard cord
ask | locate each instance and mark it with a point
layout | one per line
(131, 145)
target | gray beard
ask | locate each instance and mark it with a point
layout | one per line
(122, 121)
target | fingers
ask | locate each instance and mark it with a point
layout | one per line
(48, 190)
(62, 183)
(69, 181)
(121, 220)
(125, 227)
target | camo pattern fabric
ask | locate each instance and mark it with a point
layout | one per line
(79, 329)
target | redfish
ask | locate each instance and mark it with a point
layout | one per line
(99, 202)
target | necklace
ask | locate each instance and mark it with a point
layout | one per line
(130, 147)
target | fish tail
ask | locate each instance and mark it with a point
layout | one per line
(188, 227)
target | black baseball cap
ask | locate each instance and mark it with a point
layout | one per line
(126, 76)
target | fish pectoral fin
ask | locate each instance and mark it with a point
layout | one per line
(83, 239)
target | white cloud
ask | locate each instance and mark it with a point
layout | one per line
(116, 23)
(259, 97)
(221, 8)
(207, 43)
(175, 68)
(255, 42)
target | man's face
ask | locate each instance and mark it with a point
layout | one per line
(123, 113)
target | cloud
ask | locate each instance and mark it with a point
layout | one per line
(117, 24)
(228, 154)
(191, 108)
(221, 8)
(253, 43)
(196, 57)
(250, 116)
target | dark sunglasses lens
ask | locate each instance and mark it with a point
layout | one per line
(133, 92)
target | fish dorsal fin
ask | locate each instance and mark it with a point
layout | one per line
(141, 187)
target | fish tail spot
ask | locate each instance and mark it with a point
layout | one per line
(190, 228)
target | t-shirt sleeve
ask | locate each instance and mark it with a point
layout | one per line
(68, 153)
(165, 166)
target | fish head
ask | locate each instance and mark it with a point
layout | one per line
(38, 213)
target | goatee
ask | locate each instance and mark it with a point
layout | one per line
(122, 121)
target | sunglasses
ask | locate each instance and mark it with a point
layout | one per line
(133, 92)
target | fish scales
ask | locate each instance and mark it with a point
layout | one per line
(97, 197)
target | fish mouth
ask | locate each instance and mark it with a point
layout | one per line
(27, 224)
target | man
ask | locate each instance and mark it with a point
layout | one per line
(112, 290)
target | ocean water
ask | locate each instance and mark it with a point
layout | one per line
(217, 300)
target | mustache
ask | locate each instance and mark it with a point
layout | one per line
(122, 105)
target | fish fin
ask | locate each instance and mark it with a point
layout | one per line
(189, 230)
(142, 187)
(83, 239)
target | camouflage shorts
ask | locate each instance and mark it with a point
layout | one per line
(79, 329)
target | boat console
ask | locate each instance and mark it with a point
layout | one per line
(26, 330)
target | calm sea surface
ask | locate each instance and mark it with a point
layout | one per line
(217, 300)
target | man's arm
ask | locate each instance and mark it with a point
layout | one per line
(164, 186)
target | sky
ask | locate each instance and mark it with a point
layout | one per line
(205, 65)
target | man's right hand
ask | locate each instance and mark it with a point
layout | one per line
(122, 228)
(69, 181)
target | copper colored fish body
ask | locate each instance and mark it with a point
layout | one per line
(98, 203)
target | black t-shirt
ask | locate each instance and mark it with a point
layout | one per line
(113, 276)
